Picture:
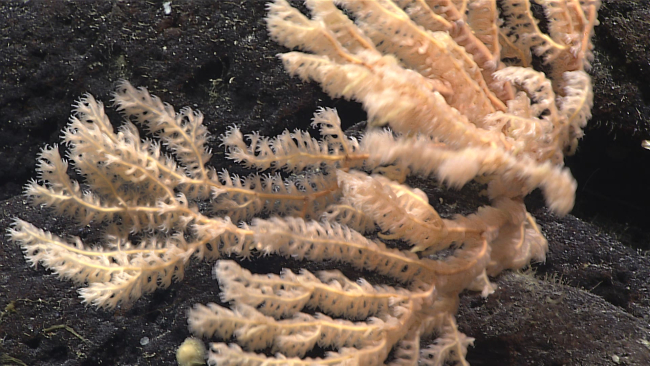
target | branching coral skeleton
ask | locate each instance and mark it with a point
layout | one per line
(453, 82)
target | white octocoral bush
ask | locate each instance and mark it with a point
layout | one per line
(451, 79)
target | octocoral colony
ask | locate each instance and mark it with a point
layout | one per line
(451, 79)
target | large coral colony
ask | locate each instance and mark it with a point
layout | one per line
(450, 79)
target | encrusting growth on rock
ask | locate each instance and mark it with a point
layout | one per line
(451, 80)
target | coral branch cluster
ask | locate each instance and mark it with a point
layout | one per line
(451, 80)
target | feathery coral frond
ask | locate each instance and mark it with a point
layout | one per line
(452, 79)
